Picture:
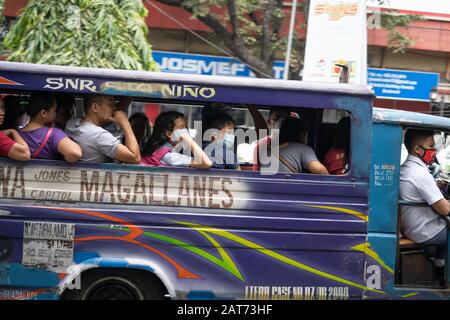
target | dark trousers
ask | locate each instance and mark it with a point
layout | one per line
(439, 240)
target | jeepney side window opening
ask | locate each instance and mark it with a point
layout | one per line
(322, 123)
(322, 126)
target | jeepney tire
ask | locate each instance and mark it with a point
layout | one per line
(116, 284)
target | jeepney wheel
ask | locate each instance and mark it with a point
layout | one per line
(115, 284)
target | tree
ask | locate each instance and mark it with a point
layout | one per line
(2, 24)
(88, 33)
(254, 33)
(2, 8)
(391, 21)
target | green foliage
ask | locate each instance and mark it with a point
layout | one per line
(87, 33)
(2, 22)
(2, 8)
(249, 15)
(392, 21)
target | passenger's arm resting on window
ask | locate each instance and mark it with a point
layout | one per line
(70, 150)
(123, 154)
(200, 160)
(128, 152)
(19, 150)
(316, 167)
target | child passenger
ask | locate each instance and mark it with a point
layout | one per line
(169, 131)
(45, 141)
(220, 148)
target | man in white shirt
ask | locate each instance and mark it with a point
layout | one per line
(418, 223)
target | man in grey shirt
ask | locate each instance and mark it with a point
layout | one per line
(422, 224)
(299, 155)
(98, 144)
(294, 154)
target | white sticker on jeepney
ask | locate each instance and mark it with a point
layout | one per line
(48, 245)
(132, 187)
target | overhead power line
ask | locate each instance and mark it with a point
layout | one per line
(203, 38)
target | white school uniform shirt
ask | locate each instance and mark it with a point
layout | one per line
(419, 223)
(175, 158)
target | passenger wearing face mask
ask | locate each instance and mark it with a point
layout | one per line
(221, 147)
(209, 112)
(168, 137)
(417, 223)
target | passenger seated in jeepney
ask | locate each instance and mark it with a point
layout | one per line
(221, 146)
(15, 108)
(209, 112)
(11, 143)
(294, 155)
(98, 144)
(276, 117)
(45, 141)
(168, 137)
(336, 160)
(142, 129)
(65, 103)
(417, 223)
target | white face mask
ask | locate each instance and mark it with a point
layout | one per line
(176, 134)
(228, 140)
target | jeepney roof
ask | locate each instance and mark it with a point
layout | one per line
(42, 69)
(410, 119)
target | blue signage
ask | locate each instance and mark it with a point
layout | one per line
(207, 65)
(389, 84)
(403, 85)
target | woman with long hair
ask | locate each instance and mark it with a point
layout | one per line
(168, 137)
(142, 129)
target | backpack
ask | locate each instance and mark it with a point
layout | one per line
(155, 158)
